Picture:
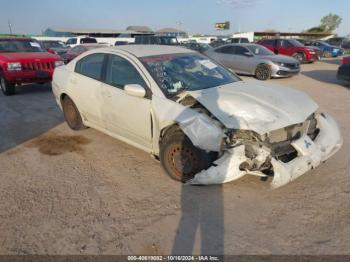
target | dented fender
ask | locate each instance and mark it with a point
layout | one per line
(199, 128)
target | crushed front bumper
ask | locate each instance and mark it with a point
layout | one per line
(310, 153)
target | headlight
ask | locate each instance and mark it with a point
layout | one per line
(59, 63)
(279, 63)
(16, 66)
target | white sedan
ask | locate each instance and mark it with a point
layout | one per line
(203, 122)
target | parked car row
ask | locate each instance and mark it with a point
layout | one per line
(325, 48)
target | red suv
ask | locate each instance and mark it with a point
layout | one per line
(290, 47)
(23, 61)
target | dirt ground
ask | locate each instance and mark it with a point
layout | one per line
(65, 192)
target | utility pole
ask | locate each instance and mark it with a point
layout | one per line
(10, 26)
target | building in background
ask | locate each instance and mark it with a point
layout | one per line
(97, 33)
(172, 32)
(140, 29)
(255, 36)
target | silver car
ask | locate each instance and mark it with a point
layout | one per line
(252, 59)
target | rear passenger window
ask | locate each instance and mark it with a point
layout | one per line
(226, 50)
(240, 50)
(268, 42)
(91, 66)
(121, 72)
(72, 41)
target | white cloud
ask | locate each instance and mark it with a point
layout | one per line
(237, 3)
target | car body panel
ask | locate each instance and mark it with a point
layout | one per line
(251, 105)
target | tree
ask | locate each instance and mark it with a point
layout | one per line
(330, 22)
(317, 29)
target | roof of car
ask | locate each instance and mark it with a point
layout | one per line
(149, 50)
(15, 38)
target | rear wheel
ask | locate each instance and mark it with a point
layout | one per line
(327, 54)
(300, 57)
(181, 159)
(7, 88)
(71, 114)
(262, 72)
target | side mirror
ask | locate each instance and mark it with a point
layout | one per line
(248, 54)
(135, 90)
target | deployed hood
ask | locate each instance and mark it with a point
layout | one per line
(17, 57)
(256, 106)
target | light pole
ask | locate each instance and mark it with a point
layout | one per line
(10, 26)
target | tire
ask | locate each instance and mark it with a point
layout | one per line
(181, 159)
(7, 88)
(300, 57)
(262, 72)
(327, 54)
(71, 114)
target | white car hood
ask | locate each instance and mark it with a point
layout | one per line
(256, 106)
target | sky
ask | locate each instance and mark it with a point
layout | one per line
(193, 16)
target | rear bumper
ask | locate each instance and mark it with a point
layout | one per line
(310, 153)
(24, 77)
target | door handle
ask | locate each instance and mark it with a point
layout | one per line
(73, 81)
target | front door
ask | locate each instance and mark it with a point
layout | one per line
(125, 115)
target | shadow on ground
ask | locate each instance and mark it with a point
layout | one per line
(326, 76)
(332, 61)
(30, 112)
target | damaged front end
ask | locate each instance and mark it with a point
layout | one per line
(284, 154)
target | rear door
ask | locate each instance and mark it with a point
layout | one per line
(85, 87)
(284, 47)
(270, 44)
(224, 55)
(240, 62)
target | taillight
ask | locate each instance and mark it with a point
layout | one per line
(346, 60)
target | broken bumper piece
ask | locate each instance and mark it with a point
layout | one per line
(310, 155)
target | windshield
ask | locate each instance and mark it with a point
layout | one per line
(57, 44)
(295, 42)
(175, 73)
(16, 45)
(168, 40)
(259, 50)
(88, 40)
(324, 43)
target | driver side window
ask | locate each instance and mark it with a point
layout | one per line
(121, 72)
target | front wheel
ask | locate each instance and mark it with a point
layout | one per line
(300, 57)
(263, 72)
(7, 88)
(71, 114)
(181, 159)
